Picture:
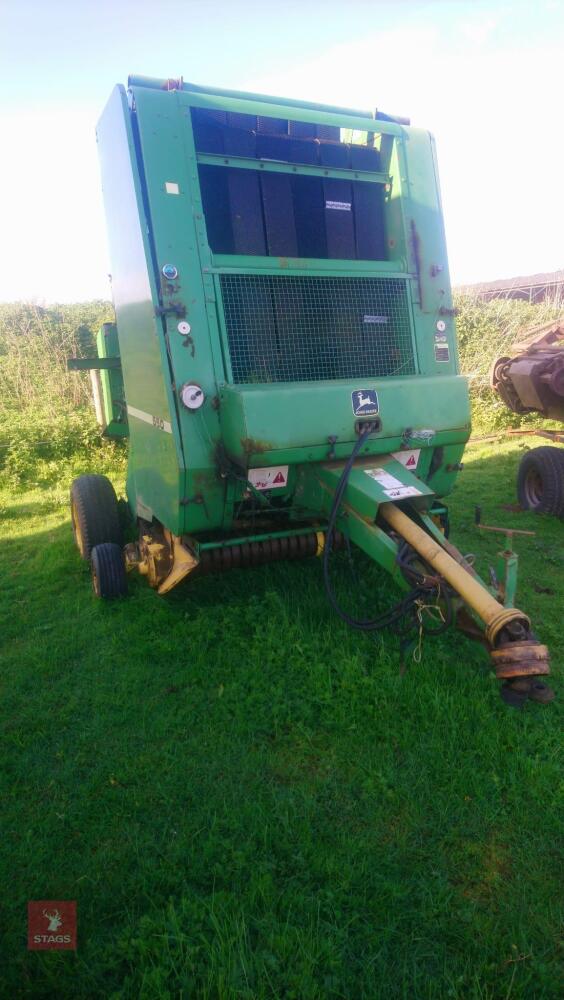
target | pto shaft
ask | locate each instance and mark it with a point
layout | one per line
(473, 592)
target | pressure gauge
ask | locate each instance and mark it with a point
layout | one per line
(170, 272)
(192, 396)
(441, 325)
(184, 328)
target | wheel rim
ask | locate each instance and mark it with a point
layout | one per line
(533, 488)
(76, 529)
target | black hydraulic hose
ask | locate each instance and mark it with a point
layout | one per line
(394, 613)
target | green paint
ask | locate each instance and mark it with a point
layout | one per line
(507, 567)
(90, 364)
(193, 478)
(111, 379)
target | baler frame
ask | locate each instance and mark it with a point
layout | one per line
(201, 427)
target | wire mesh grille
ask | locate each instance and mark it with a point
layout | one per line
(295, 329)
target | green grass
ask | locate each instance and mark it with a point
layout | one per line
(248, 800)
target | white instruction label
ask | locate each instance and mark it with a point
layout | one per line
(386, 480)
(409, 459)
(339, 206)
(402, 492)
(269, 479)
(392, 487)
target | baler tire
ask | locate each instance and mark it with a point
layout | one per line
(94, 513)
(540, 481)
(109, 576)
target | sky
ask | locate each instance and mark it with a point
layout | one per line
(484, 77)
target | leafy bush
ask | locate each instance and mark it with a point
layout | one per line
(486, 331)
(35, 343)
(47, 423)
(41, 447)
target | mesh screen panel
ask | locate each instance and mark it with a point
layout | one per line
(294, 329)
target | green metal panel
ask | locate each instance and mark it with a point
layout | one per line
(268, 425)
(318, 354)
(372, 481)
(100, 364)
(156, 466)
(160, 84)
(111, 379)
(169, 157)
(428, 254)
(227, 263)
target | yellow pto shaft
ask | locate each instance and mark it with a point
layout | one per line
(523, 657)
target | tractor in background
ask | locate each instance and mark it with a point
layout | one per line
(531, 380)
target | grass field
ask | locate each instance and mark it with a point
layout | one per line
(247, 800)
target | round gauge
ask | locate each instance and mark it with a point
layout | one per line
(170, 272)
(184, 328)
(192, 396)
(441, 325)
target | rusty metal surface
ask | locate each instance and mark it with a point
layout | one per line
(520, 659)
(256, 553)
(516, 693)
(532, 379)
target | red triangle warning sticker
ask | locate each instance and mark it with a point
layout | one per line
(410, 462)
(278, 480)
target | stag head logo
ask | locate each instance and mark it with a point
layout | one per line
(55, 920)
(51, 924)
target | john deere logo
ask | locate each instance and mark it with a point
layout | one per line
(364, 402)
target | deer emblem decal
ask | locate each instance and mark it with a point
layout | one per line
(364, 402)
(54, 919)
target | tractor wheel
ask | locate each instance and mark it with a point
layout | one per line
(109, 576)
(94, 513)
(540, 481)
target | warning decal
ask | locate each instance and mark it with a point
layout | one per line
(391, 486)
(442, 352)
(269, 479)
(339, 206)
(409, 459)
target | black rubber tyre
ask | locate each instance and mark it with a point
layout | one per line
(109, 576)
(94, 513)
(540, 481)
